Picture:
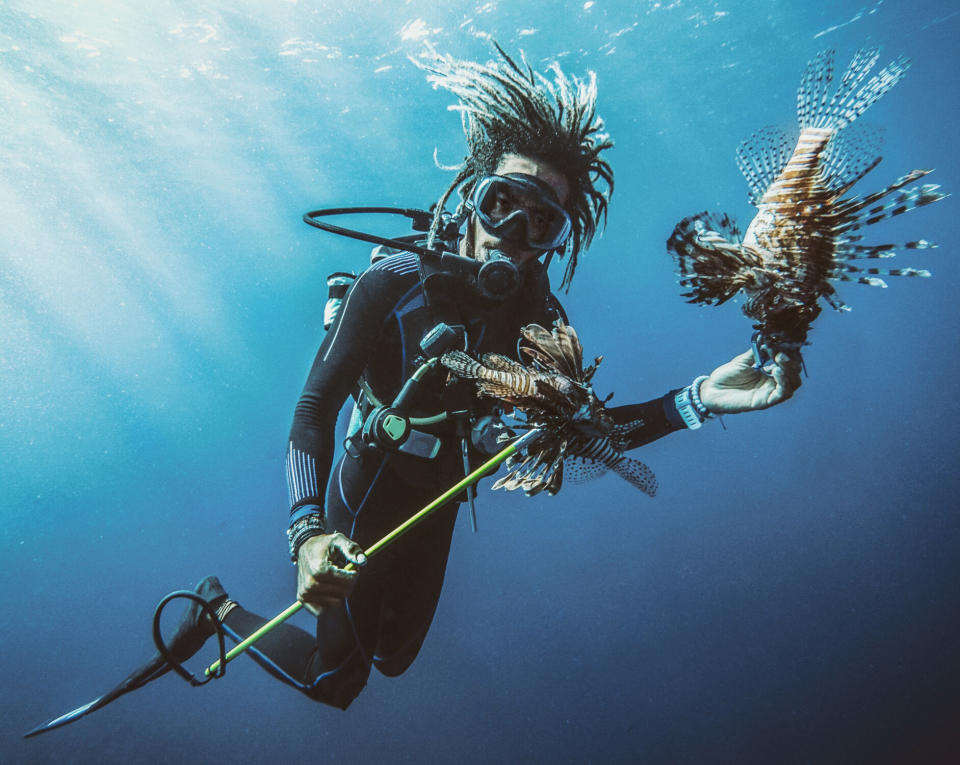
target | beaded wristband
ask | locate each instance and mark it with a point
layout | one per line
(301, 530)
(695, 397)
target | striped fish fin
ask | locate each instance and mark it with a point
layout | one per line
(496, 361)
(558, 350)
(555, 481)
(638, 474)
(904, 200)
(883, 251)
(853, 205)
(851, 99)
(538, 471)
(580, 470)
(624, 430)
(761, 158)
(871, 209)
(524, 380)
(518, 473)
(542, 362)
(814, 87)
(570, 349)
(548, 476)
(850, 154)
(870, 276)
(922, 272)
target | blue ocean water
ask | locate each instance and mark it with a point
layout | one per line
(790, 596)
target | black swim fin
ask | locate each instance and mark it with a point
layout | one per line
(192, 632)
(156, 667)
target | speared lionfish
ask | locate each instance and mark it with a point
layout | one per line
(555, 394)
(806, 232)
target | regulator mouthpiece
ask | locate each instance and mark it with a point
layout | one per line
(498, 278)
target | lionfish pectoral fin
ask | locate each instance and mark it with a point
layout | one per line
(625, 429)
(638, 474)
(580, 470)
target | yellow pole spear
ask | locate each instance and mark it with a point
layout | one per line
(525, 440)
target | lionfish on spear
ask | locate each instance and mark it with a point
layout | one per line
(807, 232)
(554, 392)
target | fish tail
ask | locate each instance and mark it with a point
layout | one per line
(852, 97)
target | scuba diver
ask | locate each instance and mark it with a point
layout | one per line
(534, 184)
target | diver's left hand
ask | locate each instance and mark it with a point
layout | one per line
(738, 387)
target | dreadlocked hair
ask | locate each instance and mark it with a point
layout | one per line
(507, 108)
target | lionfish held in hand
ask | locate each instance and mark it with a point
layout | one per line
(555, 394)
(806, 232)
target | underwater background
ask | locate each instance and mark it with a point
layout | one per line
(790, 596)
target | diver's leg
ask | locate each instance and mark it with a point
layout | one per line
(328, 668)
(386, 617)
(410, 597)
(331, 667)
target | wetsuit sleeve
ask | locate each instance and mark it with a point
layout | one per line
(342, 357)
(648, 421)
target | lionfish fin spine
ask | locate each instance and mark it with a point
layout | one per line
(627, 427)
(762, 157)
(850, 154)
(871, 281)
(879, 251)
(921, 272)
(865, 212)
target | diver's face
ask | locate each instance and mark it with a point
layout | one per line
(479, 242)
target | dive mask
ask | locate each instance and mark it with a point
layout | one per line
(521, 209)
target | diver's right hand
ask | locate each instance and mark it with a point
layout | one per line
(321, 579)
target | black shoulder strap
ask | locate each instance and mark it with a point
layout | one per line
(443, 293)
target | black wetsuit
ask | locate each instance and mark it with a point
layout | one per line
(377, 334)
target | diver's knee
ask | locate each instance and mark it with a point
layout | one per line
(395, 666)
(339, 690)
